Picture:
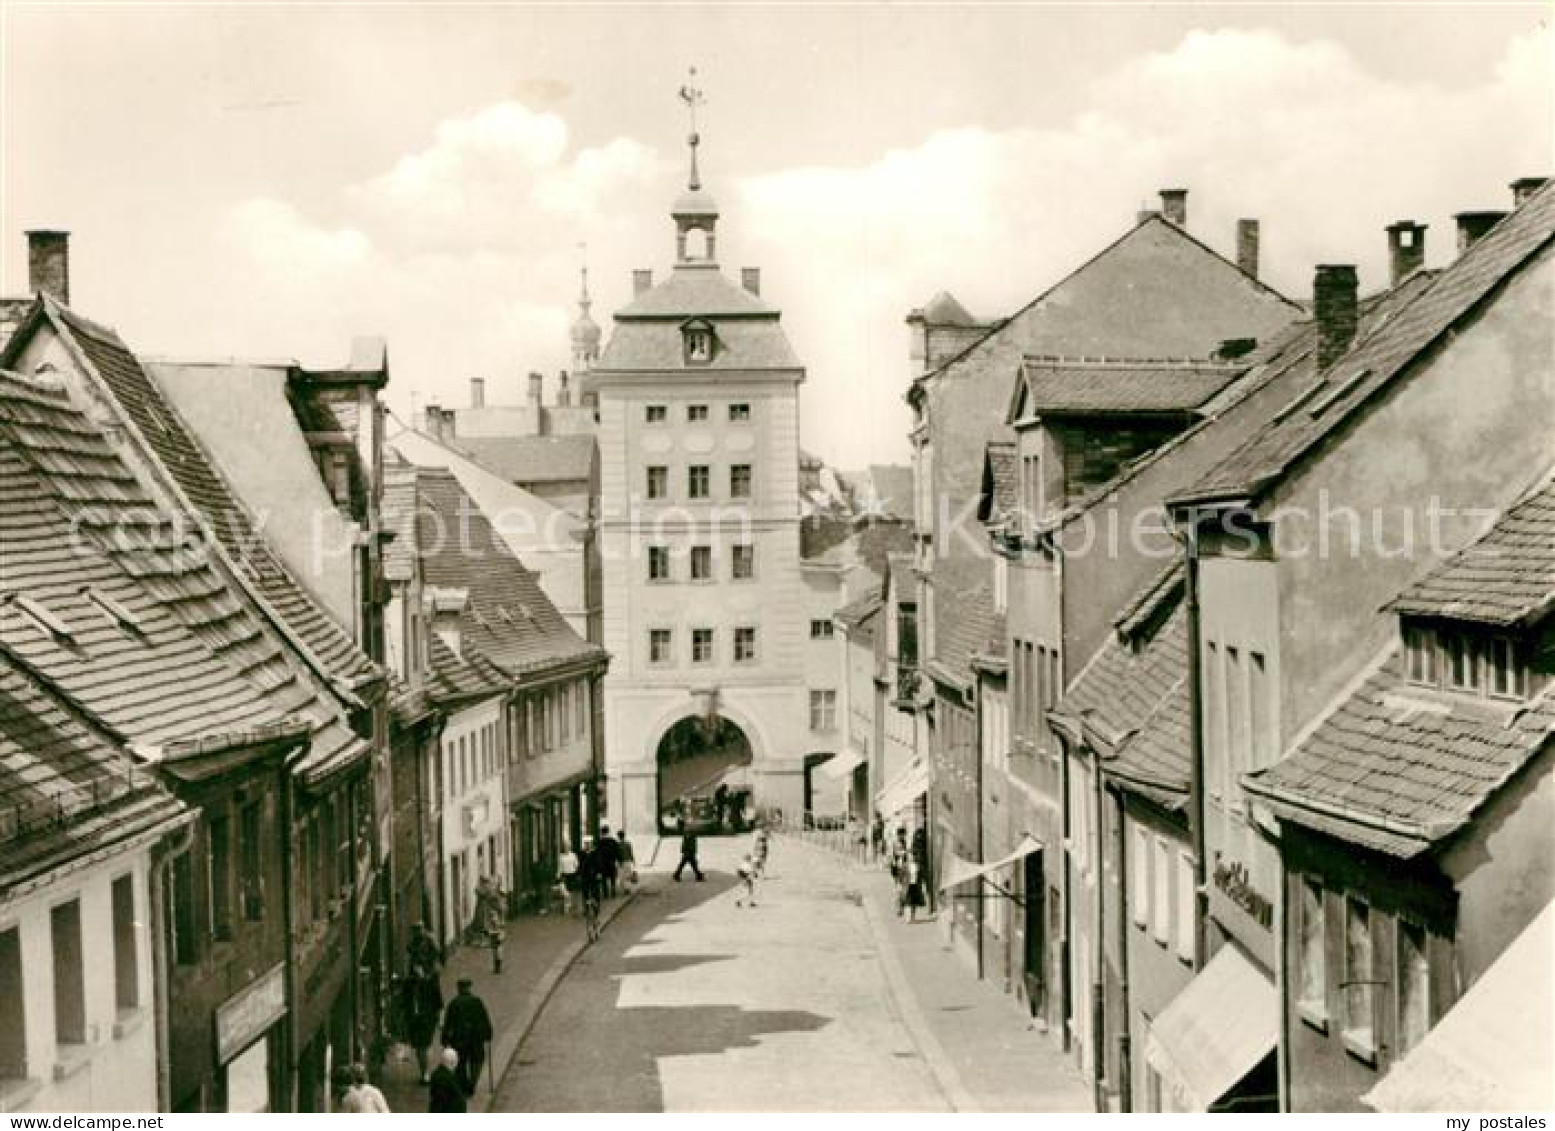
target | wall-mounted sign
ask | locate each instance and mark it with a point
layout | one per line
(246, 1015)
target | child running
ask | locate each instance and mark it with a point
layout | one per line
(747, 874)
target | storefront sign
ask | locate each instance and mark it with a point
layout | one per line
(245, 1016)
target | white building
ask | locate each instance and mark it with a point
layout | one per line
(698, 394)
(78, 1015)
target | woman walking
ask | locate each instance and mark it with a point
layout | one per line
(914, 894)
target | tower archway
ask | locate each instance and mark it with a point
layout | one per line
(704, 775)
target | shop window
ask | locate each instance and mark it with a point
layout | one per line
(1311, 975)
(69, 974)
(1414, 986)
(13, 1034)
(126, 953)
(1360, 981)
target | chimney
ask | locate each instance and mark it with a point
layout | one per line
(1473, 225)
(1247, 246)
(642, 279)
(1524, 187)
(477, 392)
(536, 390)
(750, 279)
(1335, 307)
(1406, 249)
(563, 392)
(48, 264)
(432, 422)
(1174, 206)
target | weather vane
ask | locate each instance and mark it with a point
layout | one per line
(692, 96)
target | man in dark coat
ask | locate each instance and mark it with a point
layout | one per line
(688, 853)
(445, 1093)
(609, 852)
(467, 1030)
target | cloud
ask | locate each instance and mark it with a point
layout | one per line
(464, 250)
(1254, 124)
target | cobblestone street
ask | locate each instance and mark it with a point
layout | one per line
(693, 1003)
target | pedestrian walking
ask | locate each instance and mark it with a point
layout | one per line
(877, 837)
(369, 1099)
(747, 873)
(609, 851)
(920, 853)
(467, 1030)
(628, 860)
(567, 868)
(445, 1093)
(423, 992)
(914, 889)
(490, 924)
(688, 853)
(758, 855)
(591, 884)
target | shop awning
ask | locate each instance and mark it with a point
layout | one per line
(1216, 1031)
(909, 785)
(1492, 1051)
(841, 765)
(961, 871)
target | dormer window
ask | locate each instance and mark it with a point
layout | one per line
(1461, 659)
(699, 344)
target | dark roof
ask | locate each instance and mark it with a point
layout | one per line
(1081, 386)
(532, 459)
(893, 488)
(857, 614)
(819, 533)
(1001, 484)
(86, 544)
(508, 621)
(1132, 698)
(747, 330)
(1397, 767)
(1377, 360)
(1506, 578)
(12, 312)
(976, 630)
(879, 539)
(68, 785)
(175, 447)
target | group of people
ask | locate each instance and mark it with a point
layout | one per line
(909, 868)
(463, 1026)
(599, 869)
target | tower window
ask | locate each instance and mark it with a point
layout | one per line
(699, 343)
(740, 413)
(656, 414)
(696, 412)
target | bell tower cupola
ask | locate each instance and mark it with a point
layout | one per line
(586, 333)
(695, 212)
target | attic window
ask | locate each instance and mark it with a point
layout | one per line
(698, 337)
(40, 616)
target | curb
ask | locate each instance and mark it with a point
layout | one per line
(933, 1053)
(540, 997)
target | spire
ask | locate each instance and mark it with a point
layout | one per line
(586, 334)
(695, 212)
(692, 96)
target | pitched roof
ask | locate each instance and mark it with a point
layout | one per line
(647, 334)
(1374, 362)
(695, 290)
(1155, 291)
(1398, 767)
(976, 630)
(68, 784)
(1133, 698)
(508, 620)
(1082, 386)
(856, 615)
(175, 447)
(143, 625)
(532, 459)
(819, 534)
(1506, 578)
(12, 312)
(944, 309)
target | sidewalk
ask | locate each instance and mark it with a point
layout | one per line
(978, 1041)
(538, 951)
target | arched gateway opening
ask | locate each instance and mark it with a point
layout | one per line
(704, 776)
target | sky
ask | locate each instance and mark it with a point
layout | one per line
(270, 181)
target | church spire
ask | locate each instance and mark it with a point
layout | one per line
(586, 334)
(692, 96)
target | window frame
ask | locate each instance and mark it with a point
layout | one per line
(745, 489)
(696, 414)
(709, 639)
(656, 414)
(656, 481)
(744, 638)
(694, 473)
(1311, 982)
(659, 567)
(666, 636)
(1360, 1039)
(747, 551)
(704, 554)
(740, 412)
